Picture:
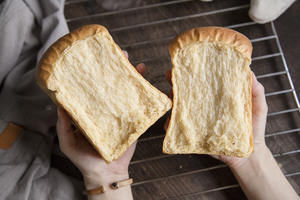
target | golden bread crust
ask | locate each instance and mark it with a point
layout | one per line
(212, 34)
(46, 64)
(53, 53)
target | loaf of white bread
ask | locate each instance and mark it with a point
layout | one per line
(211, 78)
(88, 75)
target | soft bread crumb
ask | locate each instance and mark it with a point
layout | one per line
(212, 101)
(108, 100)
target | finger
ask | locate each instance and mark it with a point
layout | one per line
(64, 129)
(168, 76)
(259, 104)
(141, 68)
(126, 157)
(215, 156)
(131, 149)
(259, 110)
(125, 53)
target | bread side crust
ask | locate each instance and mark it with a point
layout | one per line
(211, 34)
(52, 55)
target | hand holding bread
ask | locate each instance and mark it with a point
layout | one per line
(219, 108)
(259, 118)
(95, 170)
(86, 73)
(81, 153)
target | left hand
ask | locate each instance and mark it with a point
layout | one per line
(82, 154)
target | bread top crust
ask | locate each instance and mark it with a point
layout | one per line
(54, 52)
(212, 34)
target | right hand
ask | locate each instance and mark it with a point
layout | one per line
(259, 118)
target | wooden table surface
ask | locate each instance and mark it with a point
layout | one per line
(145, 34)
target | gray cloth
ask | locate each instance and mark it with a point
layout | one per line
(27, 29)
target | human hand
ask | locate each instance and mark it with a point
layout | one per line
(259, 116)
(94, 169)
(82, 154)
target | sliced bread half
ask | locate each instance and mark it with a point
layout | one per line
(87, 74)
(212, 110)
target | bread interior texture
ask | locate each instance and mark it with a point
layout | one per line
(105, 96)
(212, 101)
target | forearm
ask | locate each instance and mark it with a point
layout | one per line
(96, 181)
(261, 178)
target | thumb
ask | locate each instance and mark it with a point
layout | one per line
(65, 133)
(259, 104)
(259, 110)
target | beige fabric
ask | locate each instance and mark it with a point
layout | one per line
(263, 11)
(27, 28)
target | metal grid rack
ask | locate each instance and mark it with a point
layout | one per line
(88, 18)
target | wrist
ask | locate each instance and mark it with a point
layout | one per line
(92, 181)
(259, 156)
(97, 180)
(261, 178)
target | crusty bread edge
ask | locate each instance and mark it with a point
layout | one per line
(51, 56)
(212, 34)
